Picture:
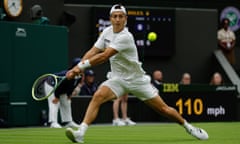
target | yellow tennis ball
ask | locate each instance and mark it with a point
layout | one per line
(152, 36)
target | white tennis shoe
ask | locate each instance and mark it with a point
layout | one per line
(74, 136)
(55, 125)
(72, 124)
(118, 122)
(129, 122)
(197, 132)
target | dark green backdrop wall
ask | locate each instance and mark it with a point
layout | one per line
(27, 51)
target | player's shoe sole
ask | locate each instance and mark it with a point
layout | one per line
(72, 136)
(198, 133)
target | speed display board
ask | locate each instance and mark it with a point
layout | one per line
(202, 102)
(196, 103)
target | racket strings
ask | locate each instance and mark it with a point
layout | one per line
(44, 86)
(40, 89)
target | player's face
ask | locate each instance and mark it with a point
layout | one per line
(118, 20)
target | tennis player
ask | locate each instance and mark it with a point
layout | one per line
(61, 100)
(117, 44)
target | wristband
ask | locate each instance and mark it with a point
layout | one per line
(83, 65)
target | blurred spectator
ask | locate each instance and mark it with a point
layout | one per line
(123, 103)
(90, 86)
(157, 78)
(216, 79)
(186, 79)
(36, 14)
(61, 100)
(226, 41)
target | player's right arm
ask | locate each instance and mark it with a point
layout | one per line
(96, 59)
(102, 57)
(98, 54)
(93, 51)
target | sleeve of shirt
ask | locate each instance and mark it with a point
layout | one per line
(61, 89)
(121, 42)
(100, 42)
(61, 73)
(219, 37)
(233, 36)
(72, 85)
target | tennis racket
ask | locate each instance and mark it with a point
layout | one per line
(45, 85)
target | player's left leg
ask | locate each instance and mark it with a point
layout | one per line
(143, 89)
(161, 107)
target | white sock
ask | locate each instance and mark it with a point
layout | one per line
(83, 128)
(187, 125)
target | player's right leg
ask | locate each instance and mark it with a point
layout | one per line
(102, 95)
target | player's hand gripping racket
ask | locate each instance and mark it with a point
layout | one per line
(45, 85)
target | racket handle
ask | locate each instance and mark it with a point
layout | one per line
(77, 77)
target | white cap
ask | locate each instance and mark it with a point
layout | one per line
(118, 8)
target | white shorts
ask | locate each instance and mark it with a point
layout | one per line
(140, 87)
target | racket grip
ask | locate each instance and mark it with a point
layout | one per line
(77, 77)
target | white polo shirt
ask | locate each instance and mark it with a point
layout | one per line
(125, 64)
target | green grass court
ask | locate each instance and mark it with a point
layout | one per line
(156, 133)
